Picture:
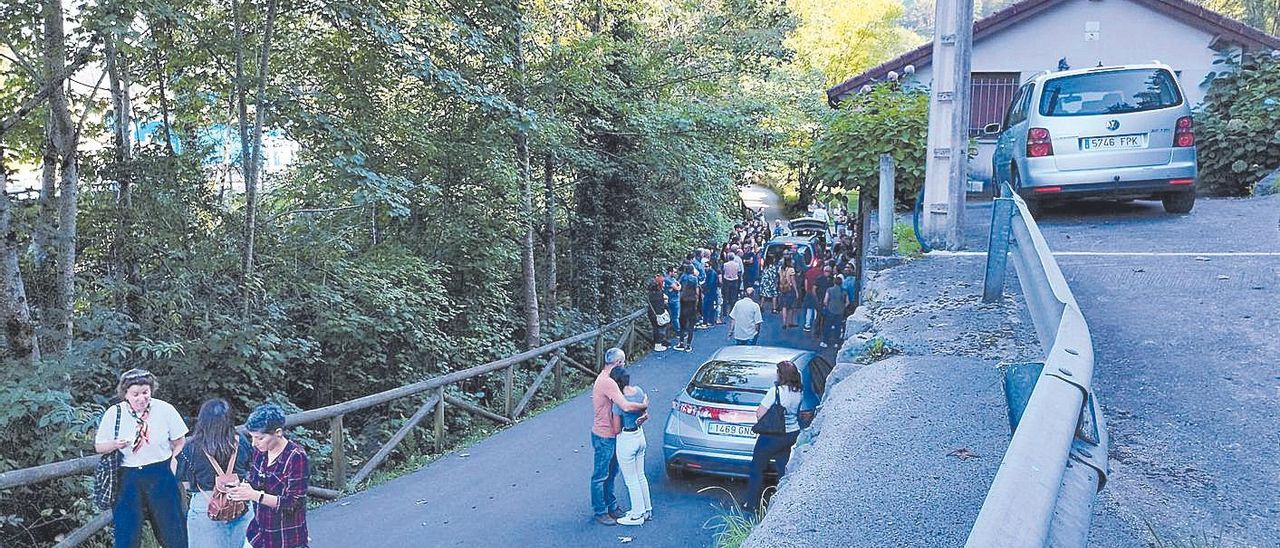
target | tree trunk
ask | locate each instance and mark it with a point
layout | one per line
(552, 283)
(19, 330)
(46, 217)
(162, 75)
(532, 323)
(125, 266)
(60, 313)
(252, 155)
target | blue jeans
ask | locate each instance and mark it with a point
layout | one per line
(709, 307)
(745, 342)
(767, 447)
(203, 531)
(833, 324)
(149, 491)
(603, 474)
(673, 307)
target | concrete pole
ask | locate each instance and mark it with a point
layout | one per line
(886, 205)
(946, 159)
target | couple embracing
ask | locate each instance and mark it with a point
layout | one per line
(617, 440)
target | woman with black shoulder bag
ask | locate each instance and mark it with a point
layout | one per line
(778, 425)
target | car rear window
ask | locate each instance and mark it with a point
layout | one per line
(733, 383)
(1110, 92)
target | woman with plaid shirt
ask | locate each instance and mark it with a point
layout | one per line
(277, 483)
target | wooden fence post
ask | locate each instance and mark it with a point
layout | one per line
(438, 432)
(339, 453)
(599, 365)
(508, 381)
(560, 376)
(631, 338)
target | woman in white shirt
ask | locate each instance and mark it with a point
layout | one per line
(788, 391)
(149, 433)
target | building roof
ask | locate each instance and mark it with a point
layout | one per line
(1182, 10)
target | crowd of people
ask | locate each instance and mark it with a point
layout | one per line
(243, 491)
(735, 282)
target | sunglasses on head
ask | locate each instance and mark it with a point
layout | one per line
(134, 374)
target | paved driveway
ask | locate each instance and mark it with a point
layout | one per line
(1185, 314)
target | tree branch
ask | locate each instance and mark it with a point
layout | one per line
(316, 210)
(34, 101)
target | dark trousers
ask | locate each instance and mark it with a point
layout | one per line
(730, 296)
(767, 447)
(833, 325)
(688, 318)
(149, 491)
(709, 308)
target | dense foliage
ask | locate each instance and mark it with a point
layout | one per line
(1238, 127)
(390, 250)
(890, 119)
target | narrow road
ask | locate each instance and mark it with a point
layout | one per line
(1186, 330)
(528, 485)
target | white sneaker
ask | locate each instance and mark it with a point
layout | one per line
(659, 348)
(648, 515)
(628, 520)
(823, 345)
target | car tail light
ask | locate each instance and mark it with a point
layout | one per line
(1184, 135)
(1182, 181)
(1047, 189)
(1039, 143)
(714, 413)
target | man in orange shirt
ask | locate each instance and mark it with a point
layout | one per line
(604, 394)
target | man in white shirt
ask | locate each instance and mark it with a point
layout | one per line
(745, 320)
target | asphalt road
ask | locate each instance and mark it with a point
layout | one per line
(528, 485)
(1186, 339)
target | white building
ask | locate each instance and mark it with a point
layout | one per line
(1032, 36)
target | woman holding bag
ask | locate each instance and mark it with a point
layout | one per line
(215, 451)
(776, 436)
(148, 432)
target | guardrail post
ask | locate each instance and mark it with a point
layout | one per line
(559, 389)
(887, 174)
(631, 337)
(339, 453)
(997, 250)
(599, 365)
(438, 431)
(507, 383)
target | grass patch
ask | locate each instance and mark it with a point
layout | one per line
(878, 349)
(904, 237)
(732, 525)
(1164, 539)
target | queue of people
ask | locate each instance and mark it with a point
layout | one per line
(242, 491)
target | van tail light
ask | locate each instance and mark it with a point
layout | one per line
(1039, 143)
(1184, 135)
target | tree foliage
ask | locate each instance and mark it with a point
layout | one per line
(1238, 126)
(890, 119)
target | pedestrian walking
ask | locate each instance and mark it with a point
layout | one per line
(710, 292)
(630, 451)
(745, 320)
(731, 280)
(604, 395)
(769, 284)
(690, 305)
(788, 292)
(788, 392)
(149, 434)
(834, 303)
(659, 317)
(277, 483)
(213, 460)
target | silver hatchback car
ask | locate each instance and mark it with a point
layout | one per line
(1122, 132)
(709, 428)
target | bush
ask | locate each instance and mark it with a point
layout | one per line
(1238, 127)
(889, 119)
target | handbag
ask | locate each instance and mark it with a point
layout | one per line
(661, 319)
(106, 479)
(774, 421)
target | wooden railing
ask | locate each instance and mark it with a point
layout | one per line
(437, 402)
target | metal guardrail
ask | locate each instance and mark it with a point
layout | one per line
(1056, 462)
(434, 404)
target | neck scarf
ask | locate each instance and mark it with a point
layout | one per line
(143, 436)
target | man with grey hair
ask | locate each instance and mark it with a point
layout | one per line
(604, 395)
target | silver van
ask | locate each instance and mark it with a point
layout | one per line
(1122, 132)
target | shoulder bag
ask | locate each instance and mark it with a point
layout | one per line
(106, 479)
(661, 319)
(774, 421)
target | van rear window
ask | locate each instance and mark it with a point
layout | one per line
(1110, 92)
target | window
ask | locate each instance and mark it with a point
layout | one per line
(1018, 109)
(990, 96)
(1110, 92)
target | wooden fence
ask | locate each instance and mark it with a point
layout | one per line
(437, 401)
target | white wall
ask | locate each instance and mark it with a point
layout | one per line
(1127, 32)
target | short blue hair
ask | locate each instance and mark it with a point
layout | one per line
(267, 417)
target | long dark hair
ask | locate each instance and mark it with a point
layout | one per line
(620, 376)
(215, 431)
(789, 376)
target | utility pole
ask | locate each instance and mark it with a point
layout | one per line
(946, 160)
